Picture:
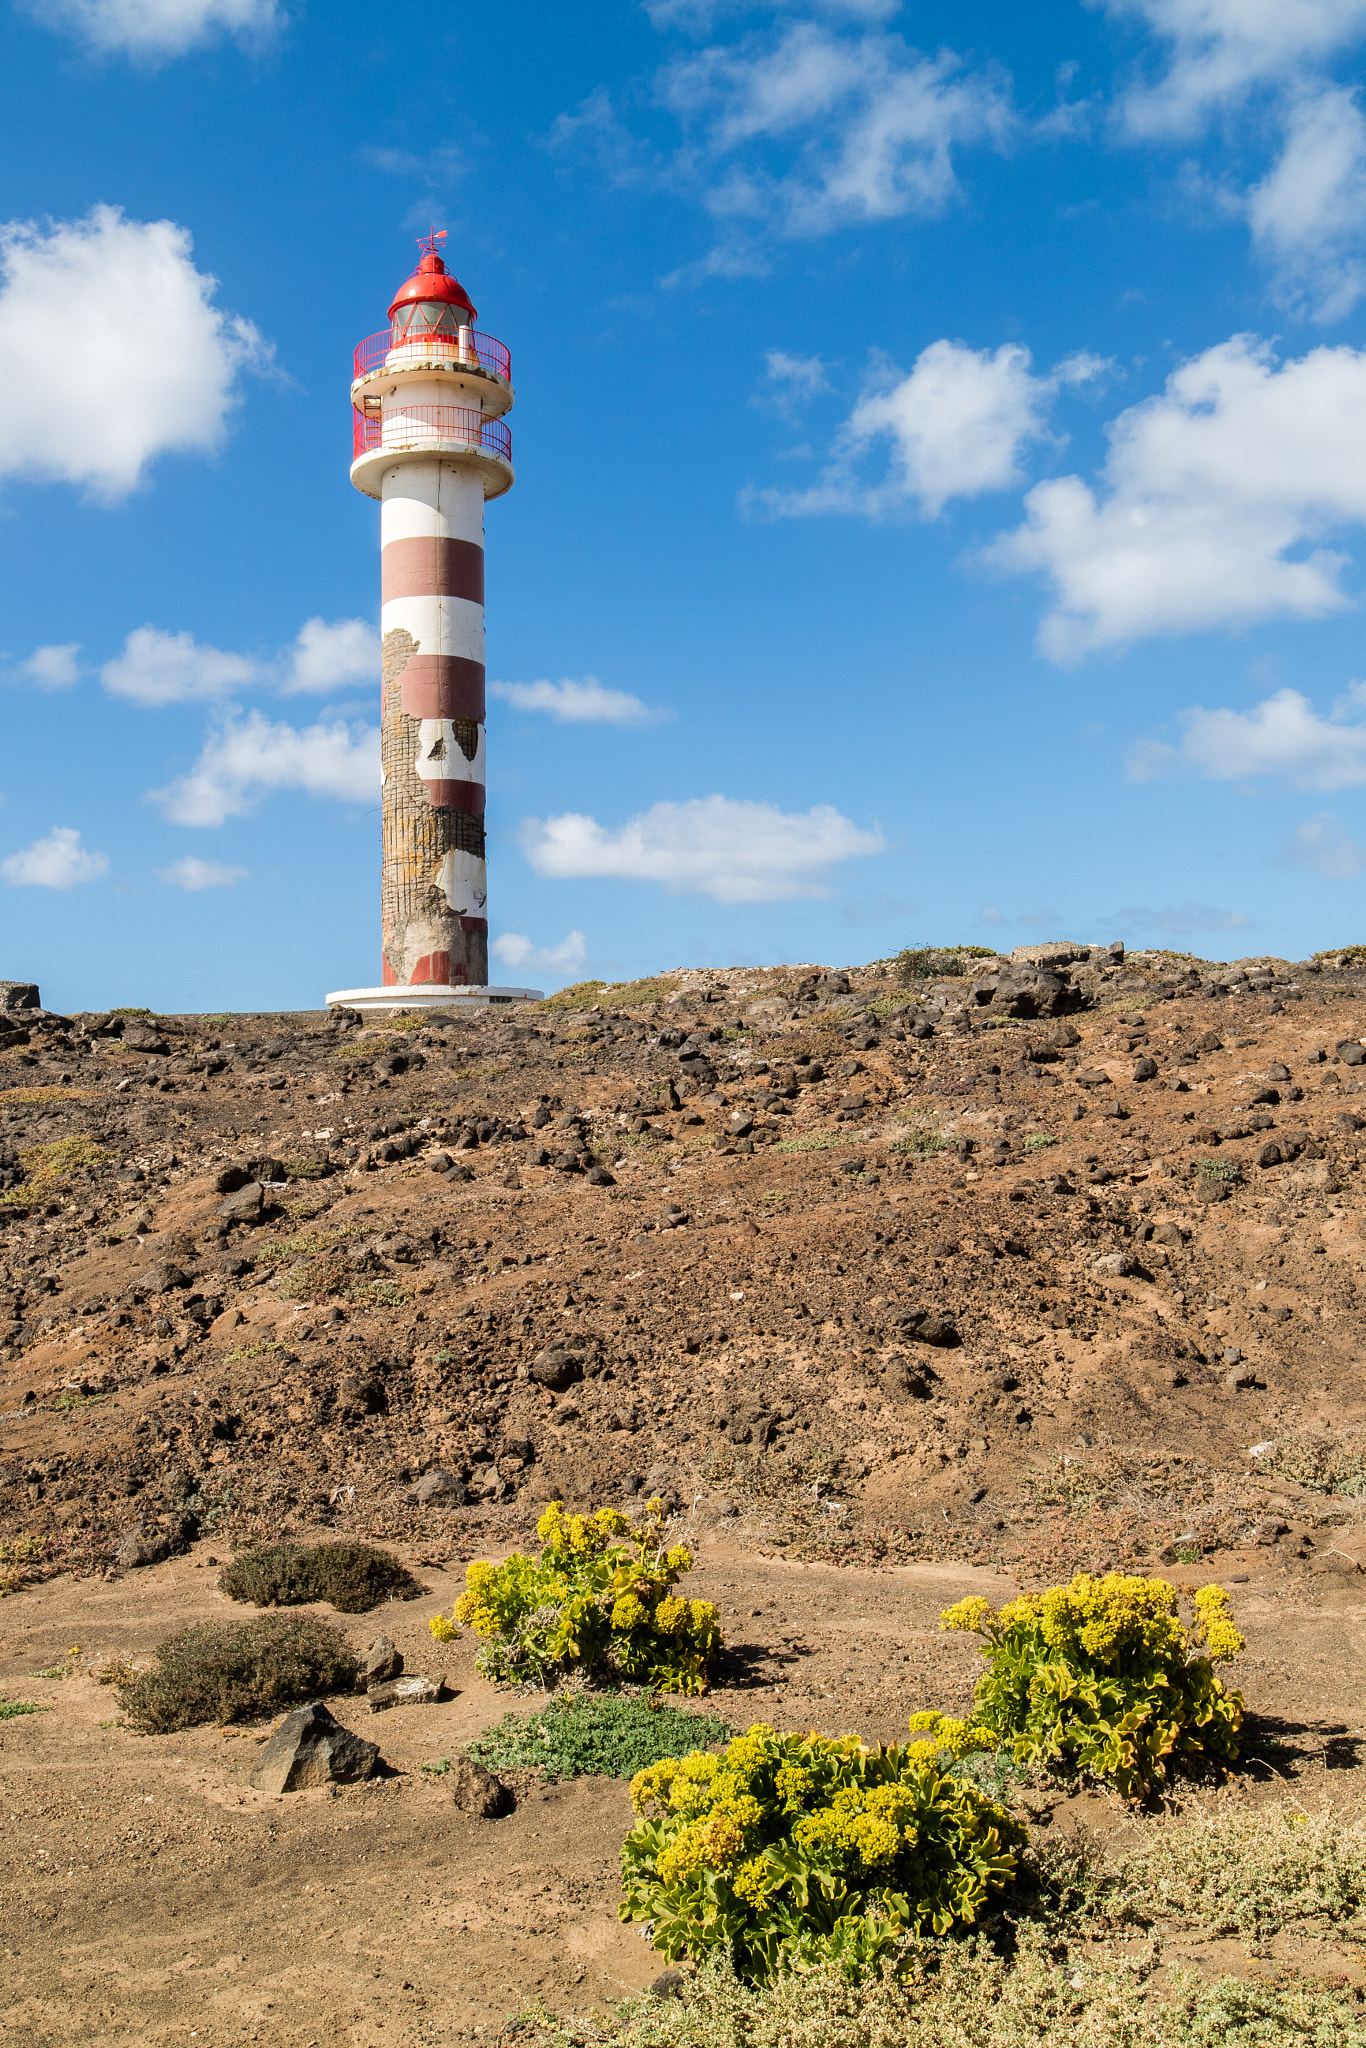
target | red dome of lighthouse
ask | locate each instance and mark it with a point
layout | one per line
(431, 281)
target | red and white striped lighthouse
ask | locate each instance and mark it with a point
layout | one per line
(430, 441)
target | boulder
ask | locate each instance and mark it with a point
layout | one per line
(140, 1036)
(441, 1489)
(139, 1548)
(310, 1747)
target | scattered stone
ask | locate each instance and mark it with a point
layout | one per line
(139, 1548)
(1145, 1069)
(381, 1661)
(311, 1747)
(441, 1489)
(412, 1691)
(1116, 1265)
(1243, 1375)
(556, 1369)
(477, 1791)
(244, 1205)
(669, 1984)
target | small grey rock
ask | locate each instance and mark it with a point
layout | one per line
(1145, 1069)
(310, 1747)
(1241, 1376)
(382, 1661)
(138, 1549)
(1116, 1265)
(669, 1984)
(244, 1204)
(439, 1488)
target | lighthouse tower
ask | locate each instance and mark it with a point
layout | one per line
(429, 400)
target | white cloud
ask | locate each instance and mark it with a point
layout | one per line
(193, 874)
(157, 668)
(246, 757)
(698, 17)
(519, 956)
(148, 366)
(805, 131)
(1308, 211)
(1178, 920)
(589, 702)
(57, 862)
(1223, 50)
(733, 851)
(1323, 844)
(156, 28)
(332, 657)
(1212, 493)
(52, 668)
(957, 426)
(1281, 736)
(793, 380)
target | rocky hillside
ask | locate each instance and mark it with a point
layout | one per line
(1051, 1259)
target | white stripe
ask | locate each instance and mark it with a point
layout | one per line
(463, 881)
(431, 500)
(440, 625)
(449, 765)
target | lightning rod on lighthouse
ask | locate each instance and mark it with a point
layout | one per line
(431, 443)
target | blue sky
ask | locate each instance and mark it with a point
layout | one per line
(941, 472)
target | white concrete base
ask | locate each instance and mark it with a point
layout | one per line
(428, 995)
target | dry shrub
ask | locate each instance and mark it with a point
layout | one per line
(239, 1671)
(352, 1577)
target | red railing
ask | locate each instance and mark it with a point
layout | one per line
(428, 426)
(466, 345)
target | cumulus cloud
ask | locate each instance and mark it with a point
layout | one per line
(1324, 844)
(246, 758)
(51, 668)
(589, 702)
(193, 874)
(57, 862)
(157, 668)
(156, 28)
(1308, 211)
(954, 427)
(520, 956)
(332, 657)
(805, 130)
(110, 333)
(732, 850)
(1210, 504)
(1282, 736)
(793, 380)
(1220, 51)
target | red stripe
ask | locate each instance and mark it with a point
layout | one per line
(474, 924)
(443, 686)
(456, 796)
(428, 567)
(387, 975)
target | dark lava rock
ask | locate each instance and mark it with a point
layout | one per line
(555, 1369)
(139, 1548)
(381, 1661)
(439, 1488)
(310, 1747)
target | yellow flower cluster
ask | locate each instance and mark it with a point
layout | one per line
(1214, 1625)
(1104, 1618)
(959, 1738)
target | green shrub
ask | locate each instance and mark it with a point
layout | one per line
(1102, 1677)
(590, 1599)
(10, 1710)
(1249, 1874)
(789, 1850)
(225, 1671)
(1218, 1169)
(586, 1736)
(352, 1577)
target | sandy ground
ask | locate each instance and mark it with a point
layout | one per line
(150, 1895)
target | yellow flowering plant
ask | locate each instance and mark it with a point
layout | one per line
(788, 1850)
(1103, 1677)
(601, 1596)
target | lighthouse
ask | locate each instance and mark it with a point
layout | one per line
(429, 396)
